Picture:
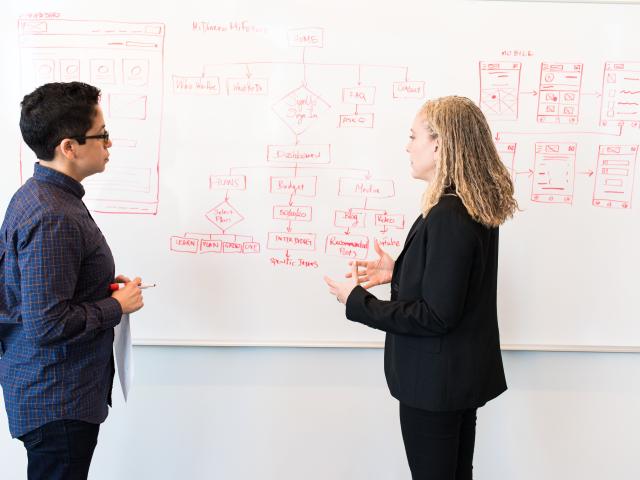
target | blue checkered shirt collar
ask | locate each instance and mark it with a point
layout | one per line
(49, 175)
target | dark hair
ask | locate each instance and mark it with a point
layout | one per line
(56, 111)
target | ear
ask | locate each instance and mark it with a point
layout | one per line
(67, 148)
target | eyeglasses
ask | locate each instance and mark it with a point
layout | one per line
(82, 138)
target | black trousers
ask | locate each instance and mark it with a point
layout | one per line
(60, 450)
(439, 445)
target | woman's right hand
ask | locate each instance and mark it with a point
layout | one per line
(374, 272)
(130, 296)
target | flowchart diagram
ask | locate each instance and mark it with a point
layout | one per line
(295, 168)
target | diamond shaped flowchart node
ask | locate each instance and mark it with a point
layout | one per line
(300, 108)
(224, 216)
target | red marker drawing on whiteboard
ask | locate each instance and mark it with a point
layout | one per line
(117, 286)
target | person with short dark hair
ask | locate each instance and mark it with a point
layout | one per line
(56, 310)
(442, 350)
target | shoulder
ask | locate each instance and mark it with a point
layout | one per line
(449, 209)
(25, 206)
(30, 199)
(48, 228)
(450, 217)
(48, 222)
(38, 201)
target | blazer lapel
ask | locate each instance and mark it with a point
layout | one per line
(412, 233)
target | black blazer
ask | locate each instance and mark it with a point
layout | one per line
(442, 350)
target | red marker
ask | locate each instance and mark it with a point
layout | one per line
(117, 286)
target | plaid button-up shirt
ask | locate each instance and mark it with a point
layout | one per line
(56, 313)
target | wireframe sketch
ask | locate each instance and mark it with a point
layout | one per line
(559, 99)
(615, 175)
(500, 89)
(554, 172)
(125, 60)
(621, 94)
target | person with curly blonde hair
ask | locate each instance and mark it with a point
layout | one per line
(442, 348)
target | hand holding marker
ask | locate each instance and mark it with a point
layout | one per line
(128, 293)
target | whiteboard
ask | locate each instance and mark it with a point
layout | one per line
(260, 145)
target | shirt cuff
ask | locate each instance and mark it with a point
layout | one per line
(111, 312)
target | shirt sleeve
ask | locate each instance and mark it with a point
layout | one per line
(450, 250)
(50, 256)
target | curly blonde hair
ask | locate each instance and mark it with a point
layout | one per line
(468, 163)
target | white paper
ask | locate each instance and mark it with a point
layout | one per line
(124, 354)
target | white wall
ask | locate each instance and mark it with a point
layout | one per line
(262, 413)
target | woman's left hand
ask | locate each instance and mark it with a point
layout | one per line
(342, 290)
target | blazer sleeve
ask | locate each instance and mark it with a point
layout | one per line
(450, 249)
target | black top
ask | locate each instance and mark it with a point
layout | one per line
(442, 350)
